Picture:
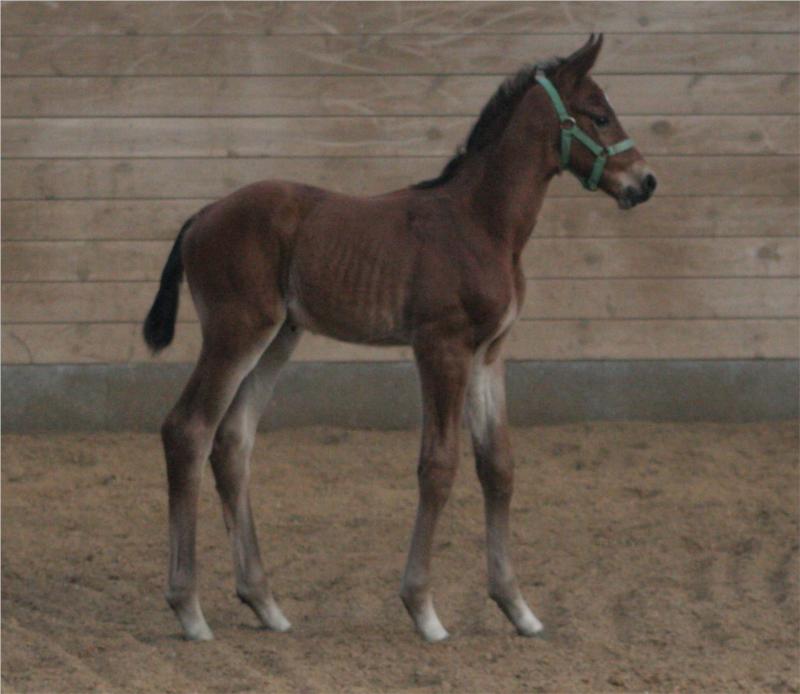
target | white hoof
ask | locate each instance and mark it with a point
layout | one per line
(191, 618)
(198, 632)
(520, 615)
(524, 620)
(431, 629)
(528, 625)
(266, 609)
(275, 620)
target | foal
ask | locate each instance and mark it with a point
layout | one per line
(435, 266)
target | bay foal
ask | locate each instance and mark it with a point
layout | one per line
(435, 266)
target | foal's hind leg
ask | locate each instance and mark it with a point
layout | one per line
(231, 347)
(486, 409)
(443, 372)
(230, 460)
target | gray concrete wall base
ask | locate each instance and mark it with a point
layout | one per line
(136, 397)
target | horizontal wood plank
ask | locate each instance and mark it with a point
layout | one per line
(87, 343)
(360, 95)
(731, 257)
(356, 136)
(276, 18)
(700, 339)
(96, 302)
(660, 299)
(663, 216)
(83, 261)
(85, 302)
(391, 54)
(82, 343)
(213, 178)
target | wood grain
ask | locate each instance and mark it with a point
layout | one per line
(663, 216)
(85, 343)
(273, 18)
(368, 95)
(80, 302)
(390, 54)
(84, 261)
(213, 178)
(356, 136)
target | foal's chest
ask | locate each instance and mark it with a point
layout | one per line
(491, 318)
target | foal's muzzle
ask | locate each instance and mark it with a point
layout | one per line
(632, 195)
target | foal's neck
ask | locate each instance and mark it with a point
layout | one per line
(507, 182)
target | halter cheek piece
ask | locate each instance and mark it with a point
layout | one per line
(570, 130)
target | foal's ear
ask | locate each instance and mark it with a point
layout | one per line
(578, 65)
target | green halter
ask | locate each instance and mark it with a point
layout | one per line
(570, 130)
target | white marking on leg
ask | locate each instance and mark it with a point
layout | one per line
(486, 395)
(484, 400)
(486, 410)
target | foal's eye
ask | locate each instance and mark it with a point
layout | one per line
(600, 121)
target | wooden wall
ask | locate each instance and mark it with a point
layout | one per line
(121, 119)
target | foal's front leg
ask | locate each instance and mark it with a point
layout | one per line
(486, 409)
(443, 370)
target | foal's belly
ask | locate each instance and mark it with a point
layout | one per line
(367, 307)
(365, 325)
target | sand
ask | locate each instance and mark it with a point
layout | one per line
(660, 557)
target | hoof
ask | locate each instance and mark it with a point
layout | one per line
(190, 616)
(435, 635)
(534, 633)
(278, 623)
(530, 627)
(519, 614)
(200, 632)
(431, 629)
(269, 614)
(425, 619)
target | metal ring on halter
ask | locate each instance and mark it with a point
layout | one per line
(568, 123)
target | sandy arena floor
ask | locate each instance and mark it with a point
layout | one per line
(659, 557)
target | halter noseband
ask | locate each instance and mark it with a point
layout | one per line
(570, 130)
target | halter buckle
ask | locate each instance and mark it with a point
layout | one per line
(568, 123)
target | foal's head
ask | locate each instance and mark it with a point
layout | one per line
(625, 175)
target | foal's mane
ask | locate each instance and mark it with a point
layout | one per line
(493, 118)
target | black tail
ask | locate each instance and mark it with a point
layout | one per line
(159, 326)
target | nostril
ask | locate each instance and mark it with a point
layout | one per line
(649, 183)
